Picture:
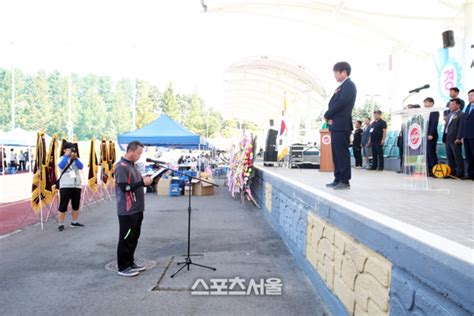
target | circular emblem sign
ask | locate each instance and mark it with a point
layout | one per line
(414, 136)
(441, 170)
(326, 139)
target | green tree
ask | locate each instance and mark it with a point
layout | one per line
(214, 122)
(146, 108)
(195, 121)
(90, 121)
(35, 112)
(5, 99)
(120, 115)
(184, 105)
(58, 87)
(169, 104)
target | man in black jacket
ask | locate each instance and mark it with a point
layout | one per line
(130, 201)
(432, 137)
(339, 118)
(356, 144)
(453, 132)
(468, 135)
(378, 133)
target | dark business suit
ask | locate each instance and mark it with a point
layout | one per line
(452, 131)
(468, 138)
(400, 146)
(340, 112)
(431, 156)
(356, 147)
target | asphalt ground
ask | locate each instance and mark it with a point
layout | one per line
(55, 273)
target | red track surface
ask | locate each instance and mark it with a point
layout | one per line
(12, 215)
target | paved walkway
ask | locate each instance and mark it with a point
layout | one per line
(50, 272)
(447, 211)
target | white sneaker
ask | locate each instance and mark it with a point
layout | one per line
(128, 272)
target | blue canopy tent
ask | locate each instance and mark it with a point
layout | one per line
(164, 132)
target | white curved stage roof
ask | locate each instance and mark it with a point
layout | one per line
(254, 88)
(410, 24)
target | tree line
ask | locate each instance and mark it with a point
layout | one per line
(102, 106)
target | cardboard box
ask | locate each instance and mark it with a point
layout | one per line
(194, 184)
(204, 175)
(203, 188)
(163, 186)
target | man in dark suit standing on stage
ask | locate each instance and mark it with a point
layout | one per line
(454, 94)
(453, 132)
(339, 118)
(468, 135)
(431, 156)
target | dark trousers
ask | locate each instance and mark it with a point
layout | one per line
(455, 159)
(401, 157)
(130, 228)
(357, 156)
(341, 156)
(377, 156)
(469, 150)
(431, 156)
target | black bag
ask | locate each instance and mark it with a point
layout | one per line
(64, 170)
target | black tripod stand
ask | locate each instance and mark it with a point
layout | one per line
(187, 260)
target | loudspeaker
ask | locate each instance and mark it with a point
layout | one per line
(270, 153)
(448, 39)
(271, 122)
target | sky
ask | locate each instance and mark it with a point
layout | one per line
(163, 41)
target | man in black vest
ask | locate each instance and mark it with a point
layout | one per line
(339, 118)
(432, 137)
(468, 135)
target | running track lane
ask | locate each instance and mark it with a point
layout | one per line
(11, 215)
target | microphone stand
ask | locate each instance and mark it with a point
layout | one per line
(187, 260)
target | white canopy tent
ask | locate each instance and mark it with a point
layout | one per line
(20, 137)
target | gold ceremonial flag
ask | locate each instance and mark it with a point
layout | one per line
(38, 184)
(111, 160)
(92, 177)
(50, 170)
(105, 175)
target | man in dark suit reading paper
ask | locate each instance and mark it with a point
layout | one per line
(339, 118)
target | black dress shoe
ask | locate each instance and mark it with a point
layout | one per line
(332, 184)
(342, 186)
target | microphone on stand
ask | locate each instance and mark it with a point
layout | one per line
(426, 86)
(156, 161)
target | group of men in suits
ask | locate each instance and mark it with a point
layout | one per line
(458, 130)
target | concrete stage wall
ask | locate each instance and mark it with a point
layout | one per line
(363, 262)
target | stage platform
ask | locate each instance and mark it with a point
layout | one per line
(376, 249)
(447, 211)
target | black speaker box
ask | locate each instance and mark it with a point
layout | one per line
(448, 39)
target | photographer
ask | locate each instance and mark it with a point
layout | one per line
(70, 185)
